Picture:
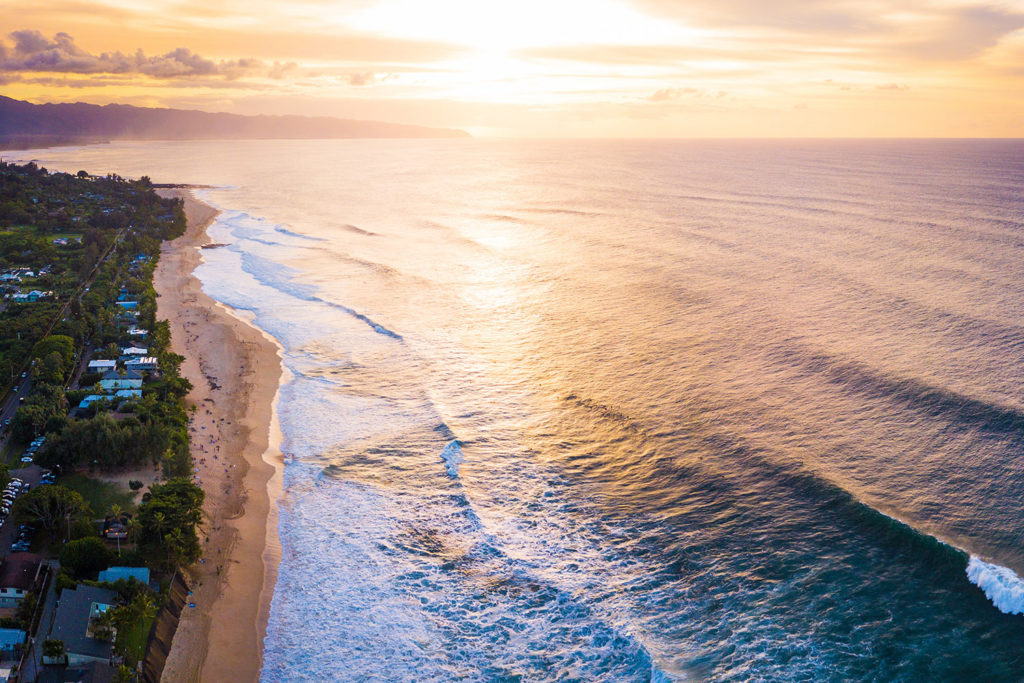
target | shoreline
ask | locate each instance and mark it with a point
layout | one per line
(236, 373)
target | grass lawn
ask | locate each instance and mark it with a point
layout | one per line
(99, 494)
(132, 642)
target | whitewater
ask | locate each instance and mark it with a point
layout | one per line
(632, 410)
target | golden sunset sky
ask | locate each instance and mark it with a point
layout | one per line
(543, 68)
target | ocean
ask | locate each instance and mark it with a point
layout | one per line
(632, 410)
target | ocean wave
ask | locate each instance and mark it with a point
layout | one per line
(291, 233)
(452, 456)
(281, 278)
(357, 230)
(1001, 585)
(914, 393)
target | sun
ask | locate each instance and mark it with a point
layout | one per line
(494, 27)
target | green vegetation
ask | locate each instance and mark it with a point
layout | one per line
(101, 496)
(167, 521)
(51, 507)
(84, 558)
(77, 255)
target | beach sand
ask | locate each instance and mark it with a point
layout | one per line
(235, 371)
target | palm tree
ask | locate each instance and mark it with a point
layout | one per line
(117, 513)
(160, 524)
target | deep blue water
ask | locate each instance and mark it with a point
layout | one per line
(619, 411)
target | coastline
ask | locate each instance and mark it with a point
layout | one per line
(235, 370)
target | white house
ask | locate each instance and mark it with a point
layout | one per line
(142, 363)
(134, 351)
(102, 365)
(137, 332)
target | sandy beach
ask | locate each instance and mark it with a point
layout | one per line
(235, 371)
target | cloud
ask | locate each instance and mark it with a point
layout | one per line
(361, 79)
(666, 94)
(33, 52)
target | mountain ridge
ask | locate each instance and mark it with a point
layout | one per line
(78, 120)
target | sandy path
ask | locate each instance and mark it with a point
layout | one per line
(235, 371)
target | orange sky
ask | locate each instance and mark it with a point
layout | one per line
(548, 68)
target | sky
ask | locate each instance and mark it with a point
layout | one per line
(541, 68)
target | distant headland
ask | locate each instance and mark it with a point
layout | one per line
(23, 124)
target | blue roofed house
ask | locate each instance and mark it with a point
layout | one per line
(90, 399)
(11, 639)
(114, 574)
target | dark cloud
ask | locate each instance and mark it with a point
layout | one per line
(33, 52)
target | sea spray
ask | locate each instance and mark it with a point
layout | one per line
(1001, 585)
(452, 456)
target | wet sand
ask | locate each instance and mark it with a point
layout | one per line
(235, 371)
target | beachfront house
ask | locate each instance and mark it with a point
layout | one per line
(128, 393)
(137, 332)
(18, 577)
(128, 305)
(102, 365)
(115, 574)
(142, 363)
(134, 351)
(77, 611)
(112, 381)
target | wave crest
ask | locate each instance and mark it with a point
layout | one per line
(1001, 585)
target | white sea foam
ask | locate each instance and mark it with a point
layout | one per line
(452, 456)
(1003, 586)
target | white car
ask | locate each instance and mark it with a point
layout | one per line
(27, 458)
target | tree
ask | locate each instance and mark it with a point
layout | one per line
(85, 557)
(168, 519)
(49, 369)
(53, 648)
(56, 343)
(51, 507)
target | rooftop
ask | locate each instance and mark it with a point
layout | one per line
(19, 571)
(71, 622)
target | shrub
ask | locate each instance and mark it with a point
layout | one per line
(85, 557)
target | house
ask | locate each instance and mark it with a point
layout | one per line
(128, 393)
(114, 574)
(137, 332)
(90, 399)
(142, 363)
(134, 351)
(77, 611)
(90, 672)
(102, 365)
(18, 576)
(11, 640)
(112, 381)
(128, 304)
